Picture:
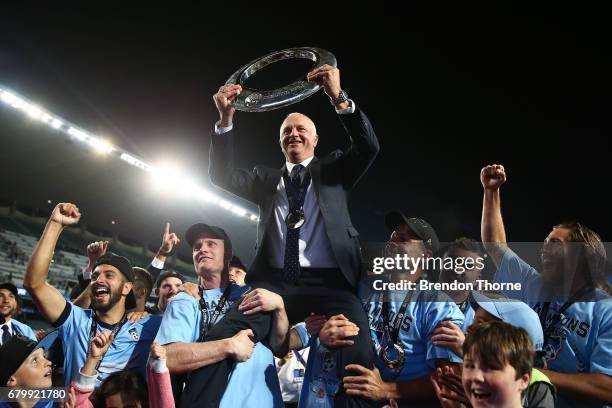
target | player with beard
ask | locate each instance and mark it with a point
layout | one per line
(575, 312)
(8, 309)
(111, 296)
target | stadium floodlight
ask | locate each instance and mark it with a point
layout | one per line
(135, 162)
(78, 134)
(165, 175)
(45, 117)
(100, 145)
(239, 211)
(56, 124)
(33, 111)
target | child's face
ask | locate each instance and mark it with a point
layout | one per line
(34, 372)
(492, 387)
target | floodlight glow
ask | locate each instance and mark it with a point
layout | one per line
(78, 134)
(57, 123)
(33, 111)
(101, 145)
(45, 118)
(166, 177)
(239, 211)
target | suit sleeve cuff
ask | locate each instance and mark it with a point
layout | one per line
(156, 263)
(345, 111)
(85, 382)
(158, 366)
(219, 130)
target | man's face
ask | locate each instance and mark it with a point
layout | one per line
(468, 274)
(298, 138)
(34, 372)
(8, 304)
(168, 288)
(404, 241)
(553, 255)
(208, 255)
(492, 387)
(237, 275)
(108, 285)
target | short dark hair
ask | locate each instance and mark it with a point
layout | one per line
(128, 381)
(497, 343)
(143, 279)
(169, 274)
(467, 244)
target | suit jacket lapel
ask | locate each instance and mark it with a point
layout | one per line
(315, 173)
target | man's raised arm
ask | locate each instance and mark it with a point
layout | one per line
(492, 230)
(49, 300)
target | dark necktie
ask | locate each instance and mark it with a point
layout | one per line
(291, 267)
(6, 335)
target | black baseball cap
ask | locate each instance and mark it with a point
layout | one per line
(419, 226)
(169, 274)
(11, 288)
(12, 354)
(210, 230)
(125, 267)
(237, 263)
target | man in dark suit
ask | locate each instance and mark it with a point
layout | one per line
(307, 248)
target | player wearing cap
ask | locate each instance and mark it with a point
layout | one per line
(111, 296)
(168, 284)
(8, 308)
(199, 344)
(405, 353)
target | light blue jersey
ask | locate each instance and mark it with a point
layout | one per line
(130, 348)
(253, 382)
(468, 317)
(425, 311)
(23, 329)
(582, 340)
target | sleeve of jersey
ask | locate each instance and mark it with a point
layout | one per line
(301, 331)
(437, 312)
(70, 319)
(179, 323)
(513, 269)
(601, 356)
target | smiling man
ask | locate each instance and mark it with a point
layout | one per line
(307, 248)
(8, 309)
(111, 296)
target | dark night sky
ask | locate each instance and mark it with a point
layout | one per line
(447, 93)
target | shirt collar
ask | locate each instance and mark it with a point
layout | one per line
(305, 163)
(9, 324)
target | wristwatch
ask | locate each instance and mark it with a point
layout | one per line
(342, 97)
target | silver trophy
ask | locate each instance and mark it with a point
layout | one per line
(253, 100)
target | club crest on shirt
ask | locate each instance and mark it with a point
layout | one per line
(133, 332)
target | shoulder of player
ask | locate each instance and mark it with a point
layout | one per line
(181, 298)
